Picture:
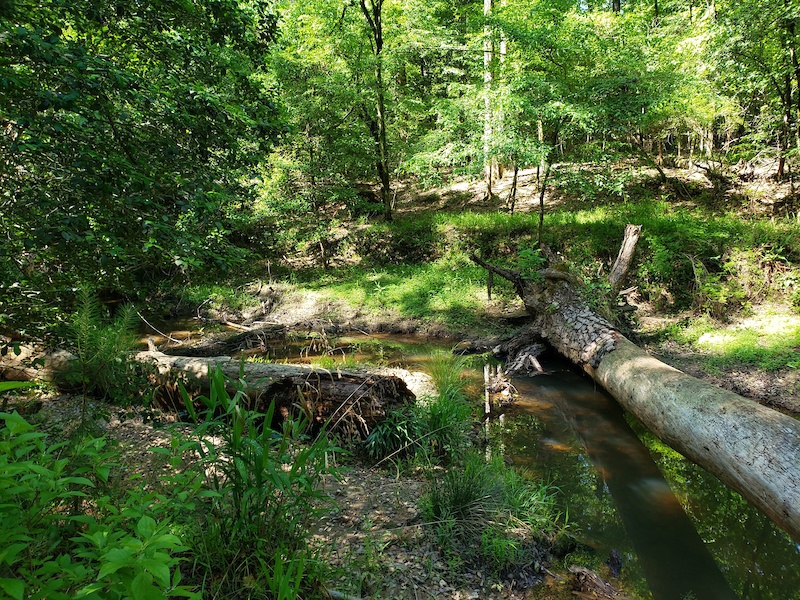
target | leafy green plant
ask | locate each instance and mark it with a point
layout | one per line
(101, 348)
(530, 261)
(53, 547)
(258, 490)
(399, 435)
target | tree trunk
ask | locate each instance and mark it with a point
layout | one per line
(488, 55)
(624, 259)
(373, 13)
(753, 449)
(351, 402)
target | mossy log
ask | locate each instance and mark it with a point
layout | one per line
(753, 449)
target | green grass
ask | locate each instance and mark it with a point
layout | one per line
(219, 297)
(452, 292)
(748, 346)
(768, 342)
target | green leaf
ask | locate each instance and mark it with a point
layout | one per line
(116, 559)
(158, 569)
(13, 385)
(13, 587)
(8, 554)
(146, 527)
(15, 423)
(142, 588)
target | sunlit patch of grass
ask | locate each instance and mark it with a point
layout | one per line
(768, 350)
(451, 292)
(220, 297)
(766, 341)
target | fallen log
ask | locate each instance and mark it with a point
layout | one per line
(753, 449)
(247, 339)
(351, 403)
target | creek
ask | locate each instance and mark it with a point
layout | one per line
(680, 533)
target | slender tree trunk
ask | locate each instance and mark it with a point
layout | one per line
(488, 55)
(372, 10)
(542, 190)
(784, 134)
(512, 196)
(791, 31)
(621, 267)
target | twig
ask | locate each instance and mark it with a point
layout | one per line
(150, 325)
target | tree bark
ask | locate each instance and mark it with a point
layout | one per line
(373, 13)
(619, 271)
(753, 449)
(488, 131)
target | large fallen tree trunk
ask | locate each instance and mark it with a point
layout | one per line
(347, 401)
(753, 449)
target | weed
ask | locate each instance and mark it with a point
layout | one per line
(102, 366)
(54, 548)
(481, 511)
(259, 488)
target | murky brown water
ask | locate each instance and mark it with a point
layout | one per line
(684, 534)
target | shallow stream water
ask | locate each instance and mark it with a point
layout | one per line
(681, 534)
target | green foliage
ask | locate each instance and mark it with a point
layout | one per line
(402, 433)
(482, 511)
(255, 489)
(14, 385)
(435, 429)
(102, 366)
(53, 547)
(530, 262)
(128, 132)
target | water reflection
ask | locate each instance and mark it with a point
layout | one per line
(562, 416)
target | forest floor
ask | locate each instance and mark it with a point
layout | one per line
(373, 536)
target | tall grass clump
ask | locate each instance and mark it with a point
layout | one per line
(255, 490)
(437, 428)
(482, 512)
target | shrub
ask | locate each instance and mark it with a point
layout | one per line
(52, 547)
(257, 491)
(103, 367)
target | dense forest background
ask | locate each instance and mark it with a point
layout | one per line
(150, 144)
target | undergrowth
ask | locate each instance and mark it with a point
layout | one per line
(228, 519)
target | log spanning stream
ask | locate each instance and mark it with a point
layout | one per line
(680, 532)
(677, 528)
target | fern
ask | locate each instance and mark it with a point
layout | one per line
(102, 367)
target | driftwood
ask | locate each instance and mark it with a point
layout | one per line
(588, 584)
(351, 403)
(621, 267)
(753, 449)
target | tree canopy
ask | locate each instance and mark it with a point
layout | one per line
(144, 141)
